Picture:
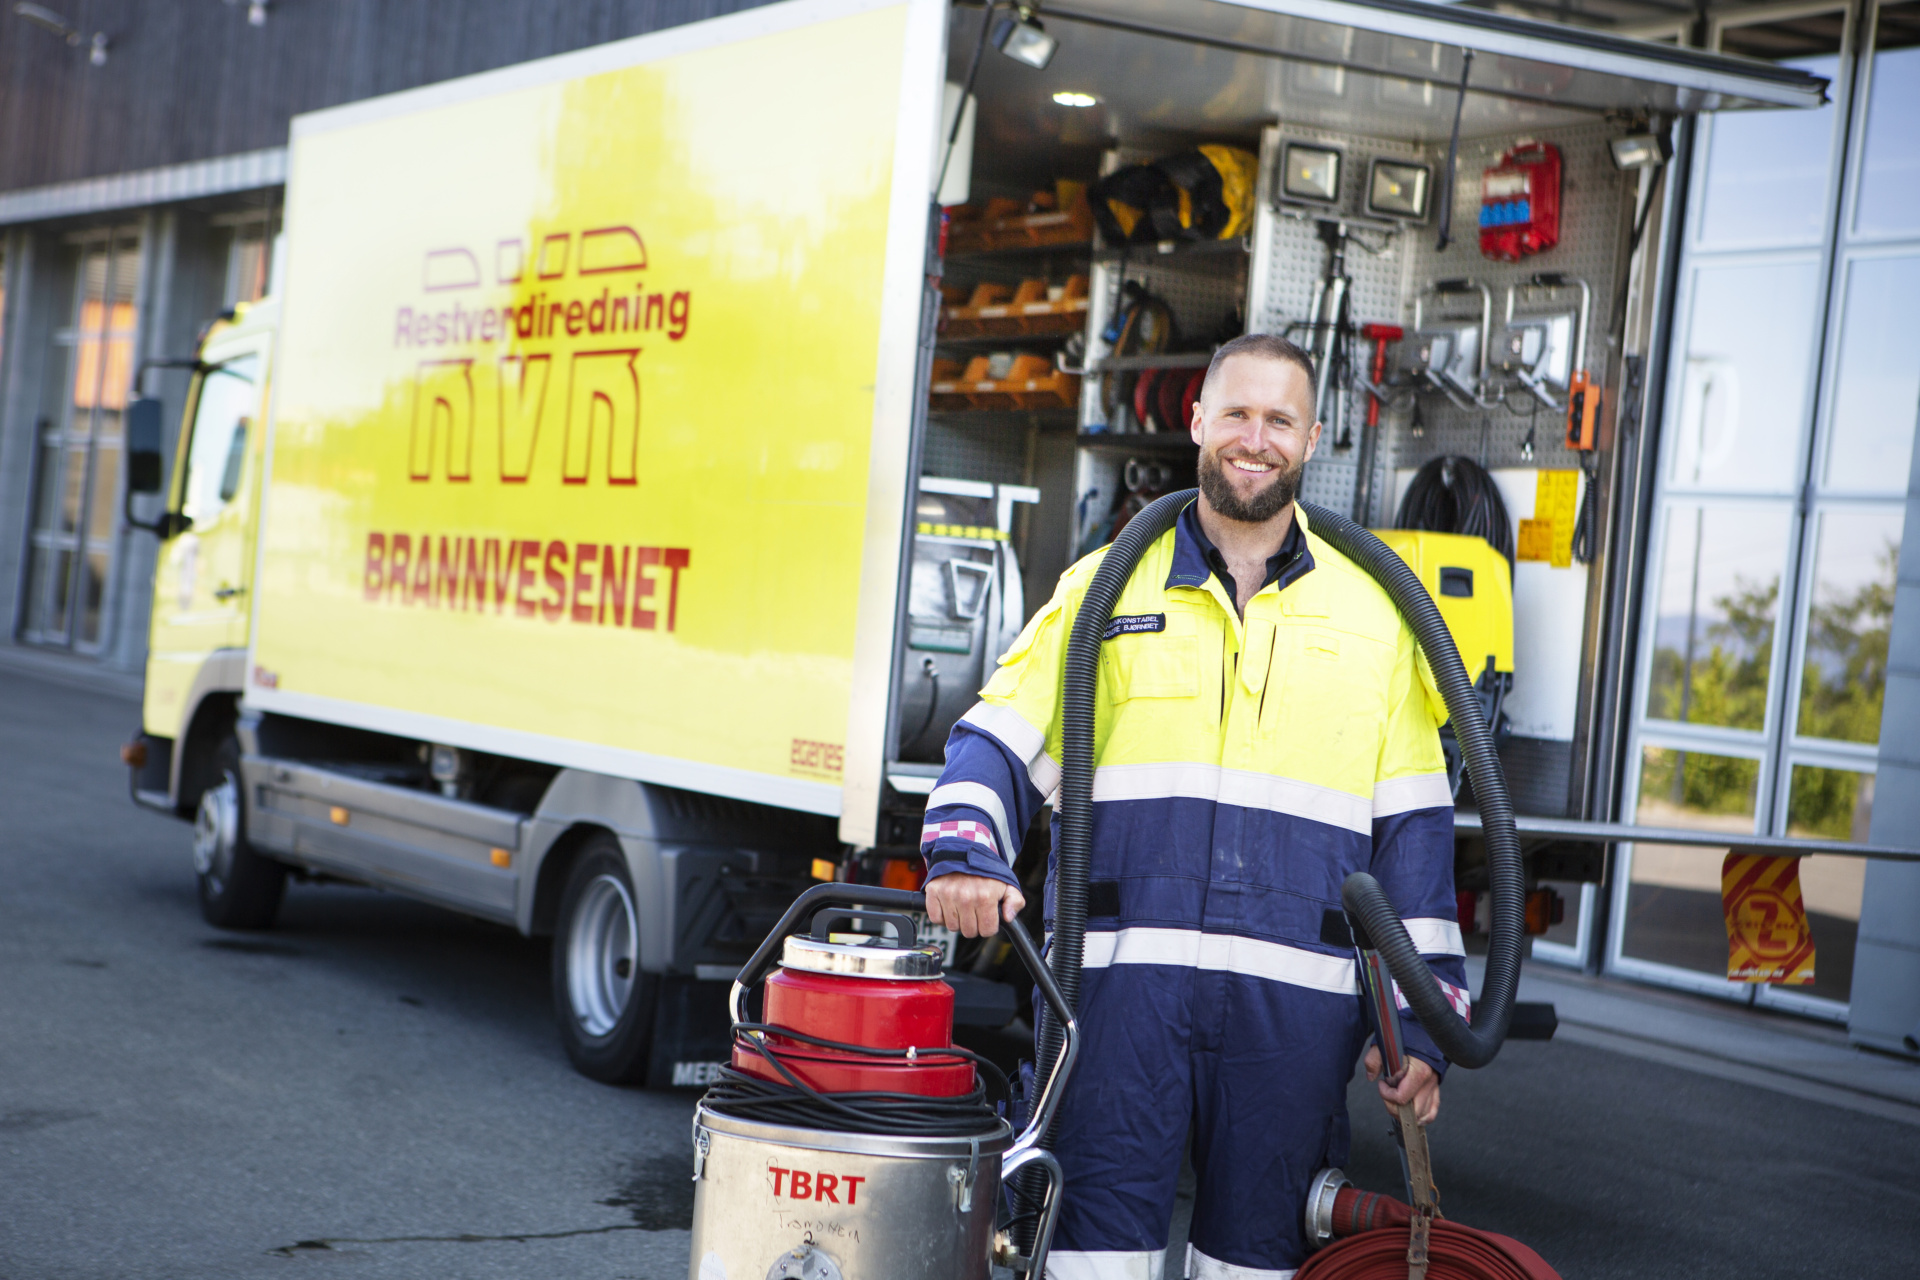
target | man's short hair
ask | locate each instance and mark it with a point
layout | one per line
(1265, 345)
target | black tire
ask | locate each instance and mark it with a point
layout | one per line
(602, 1002)
(239, 888)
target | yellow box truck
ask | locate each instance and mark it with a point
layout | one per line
(560, 543)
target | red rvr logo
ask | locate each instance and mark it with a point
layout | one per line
(802, 1185)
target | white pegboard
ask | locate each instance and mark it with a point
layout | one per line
(1203, 290)
(989, 447)
(1596, 209)
(1295, 259)
(1387, 271)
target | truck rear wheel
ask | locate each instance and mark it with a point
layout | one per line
(601, 999)
(239, 889)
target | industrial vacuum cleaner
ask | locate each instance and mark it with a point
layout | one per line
(850, 1139)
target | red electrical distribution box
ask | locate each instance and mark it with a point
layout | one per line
(1520, 202)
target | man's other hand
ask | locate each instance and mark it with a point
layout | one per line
(1419, 1085)
(972, 906)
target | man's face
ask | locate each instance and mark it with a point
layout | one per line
(1255, 429)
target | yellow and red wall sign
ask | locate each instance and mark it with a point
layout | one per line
(1768, 939)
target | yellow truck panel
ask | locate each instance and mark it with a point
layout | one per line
(574, 409)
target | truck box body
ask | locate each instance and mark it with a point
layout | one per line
(578, 391)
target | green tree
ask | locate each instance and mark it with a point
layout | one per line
(1845, 679)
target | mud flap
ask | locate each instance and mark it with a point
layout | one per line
(692, 1033)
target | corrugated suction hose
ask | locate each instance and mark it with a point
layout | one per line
(1468, 1045)
(1475, 1044)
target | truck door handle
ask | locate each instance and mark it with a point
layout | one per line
(228, 593)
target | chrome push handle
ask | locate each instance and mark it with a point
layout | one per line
(1011, 1165)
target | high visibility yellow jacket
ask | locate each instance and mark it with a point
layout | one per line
(1243, 768)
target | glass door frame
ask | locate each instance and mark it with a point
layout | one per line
(1772, 746)
(56, 441)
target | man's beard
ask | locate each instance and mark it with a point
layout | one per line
(1264, 505)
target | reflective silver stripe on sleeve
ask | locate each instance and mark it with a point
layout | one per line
(1010, 729)
(1435, 937)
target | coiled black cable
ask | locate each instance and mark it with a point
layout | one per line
(796, 1103)
(1454, 494)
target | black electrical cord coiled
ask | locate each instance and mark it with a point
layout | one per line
(1454, 494)
(795, 1103)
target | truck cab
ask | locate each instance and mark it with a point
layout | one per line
(197, 646)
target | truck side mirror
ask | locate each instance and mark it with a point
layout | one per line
(145, 466)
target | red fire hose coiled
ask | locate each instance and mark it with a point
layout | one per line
(1375, 1228)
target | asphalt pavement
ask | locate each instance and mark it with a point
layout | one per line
(374, 1089)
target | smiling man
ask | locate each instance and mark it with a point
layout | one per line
(1264, 728)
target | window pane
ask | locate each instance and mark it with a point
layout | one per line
(1713, 630)
(93, 291)
(1767, 171)
(126, 280)
(72, 485)
(88, 357)
(47, 599)
(1848, 625)
(1876, 402)
(1890, 163)
(228, 398)
(1673, 895)
(104, 506)
(1837, 803)
(1749, 347)
(46, 505)
(93, 589)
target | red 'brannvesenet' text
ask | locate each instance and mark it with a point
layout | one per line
(598, 583)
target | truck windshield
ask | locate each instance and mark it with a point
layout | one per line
(229, 397)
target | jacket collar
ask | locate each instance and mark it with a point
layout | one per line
(1193, 552)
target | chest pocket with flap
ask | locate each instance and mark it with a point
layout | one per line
(1153, 665)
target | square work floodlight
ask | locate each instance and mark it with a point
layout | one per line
(1396, 189)
(1310, 173)
(1023, 39)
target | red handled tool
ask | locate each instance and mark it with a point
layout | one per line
(1381, 336)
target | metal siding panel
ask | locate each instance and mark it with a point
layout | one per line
(62, 119)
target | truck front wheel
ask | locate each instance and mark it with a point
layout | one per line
(603, 1002)
(239, 889)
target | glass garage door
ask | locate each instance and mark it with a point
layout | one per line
(1780, 501)
(76, 506)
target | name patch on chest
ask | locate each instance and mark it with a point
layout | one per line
(1135, 624)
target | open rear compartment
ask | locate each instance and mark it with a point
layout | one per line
(1306, 169)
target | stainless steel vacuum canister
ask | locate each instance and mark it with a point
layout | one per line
(770, 1202)
(849, 1156)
